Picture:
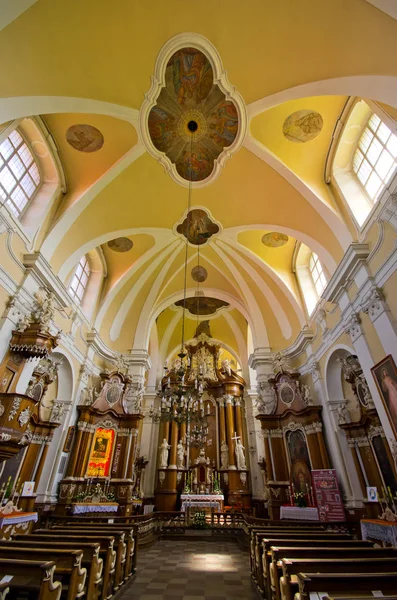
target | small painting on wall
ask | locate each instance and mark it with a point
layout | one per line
(385, 375)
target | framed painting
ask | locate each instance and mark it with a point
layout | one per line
(385, 375)
(69, 438)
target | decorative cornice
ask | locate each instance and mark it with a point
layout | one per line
(355, 256)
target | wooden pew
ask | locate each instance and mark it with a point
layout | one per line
(289, 534)
(266, 543)
(325, 566)
(107, 552)
(90, 561)
(120, 547)
(36, 570)
(130, 539)
(67, 563)
(343, 583)
(4, 589)
(336, 552)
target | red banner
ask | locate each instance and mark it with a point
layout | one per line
(327, 495)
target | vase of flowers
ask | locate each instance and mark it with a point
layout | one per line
(300, 499)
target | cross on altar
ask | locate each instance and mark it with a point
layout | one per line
(236, 437)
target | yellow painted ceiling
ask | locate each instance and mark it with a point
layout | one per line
(97, 60)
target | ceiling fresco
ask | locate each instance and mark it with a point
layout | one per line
(192, 122)
(197, 227)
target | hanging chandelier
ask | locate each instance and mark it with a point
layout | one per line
(180, 391)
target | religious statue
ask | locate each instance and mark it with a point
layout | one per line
(43, 309)
(132, 398)
(226, 367)
(23, 323)
(240, 458)
(267, 400)
(164, 449)
(224, 455)
(180, 455)
(343, 414)
(58, 410)
(306, 397)
(280, 363)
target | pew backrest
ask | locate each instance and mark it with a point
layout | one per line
(43, 571)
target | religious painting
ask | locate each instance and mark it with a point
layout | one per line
(383, 460)
(301, 477)
(101, 453)
(274, 239)
(197, 227)
(84, 138)
(69, 438)
(192, 121)
(297, 447)
(385, 375)
(120, 244)
(303, 126)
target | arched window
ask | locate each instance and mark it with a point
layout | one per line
(19, 174)
(317, 273)
(310, 275)
(80, 279)
(374, 161)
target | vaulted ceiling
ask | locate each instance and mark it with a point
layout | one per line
(285, 63)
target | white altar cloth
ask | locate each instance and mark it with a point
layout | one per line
(82, 508)
(307, 513)
(201, 501)
(15, 518)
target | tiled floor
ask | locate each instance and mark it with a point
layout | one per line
(191, 570)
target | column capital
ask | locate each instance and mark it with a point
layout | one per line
(314, 370)
(374, 304)
(353, 326)
(261, 360)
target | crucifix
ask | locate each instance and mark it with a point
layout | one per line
(236, 437)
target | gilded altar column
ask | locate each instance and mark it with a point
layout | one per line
(230, 429)
(131, 458)
(222, 421)
(71, 468)
(85, 446)
(239, 418)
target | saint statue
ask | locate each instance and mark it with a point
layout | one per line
(224, 455)
(240, 458)
(180, 455)
(226, 367)
(343, 414)
(164, 449)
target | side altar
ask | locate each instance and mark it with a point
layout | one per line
(101, 473)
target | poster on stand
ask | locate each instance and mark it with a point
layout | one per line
(327, 495)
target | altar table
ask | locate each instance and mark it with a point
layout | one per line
(16, 518)
(383, 531)
(80, 508)
(202, 501)
(307, 513)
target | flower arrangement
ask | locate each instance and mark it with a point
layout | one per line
(199, 521)
(300, 499)
(111, 497)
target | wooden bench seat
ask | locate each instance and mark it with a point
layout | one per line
(263, 573)
(4, 589)
(293, 566)
(130, 539)
(107, 552)
(338, 552)
(120, 547)
(68, 567)
(342, 584)
(90, 561)
(41, 572)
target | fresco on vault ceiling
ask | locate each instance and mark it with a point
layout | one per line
(190, 95)
(274, 239)
(84, 138)
(302, 126)
(197, 227)
(202, 305)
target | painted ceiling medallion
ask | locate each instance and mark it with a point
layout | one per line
(274, 239)
(194, 117)
(199, 274)
(121, 244)
(84, 138)
(303, 126)
(197, 227)
(202, 305)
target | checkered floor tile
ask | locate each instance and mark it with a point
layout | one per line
(191, 570)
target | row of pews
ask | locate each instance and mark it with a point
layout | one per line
(296, 561)
(68, 561)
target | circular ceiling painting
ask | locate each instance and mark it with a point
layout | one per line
(274, 239)
(302, 126)
(84, 138)
(199, 274)
(121, 244)
(192, 121)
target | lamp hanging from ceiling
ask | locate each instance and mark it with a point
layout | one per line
(179, 395)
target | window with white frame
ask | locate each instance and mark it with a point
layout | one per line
(317, 274)
(374, 161)
(79, 282)
(19, 174)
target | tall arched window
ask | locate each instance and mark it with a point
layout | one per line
(19, 174)
(374, 161)
(317, 273)
(80, 279)
(310, 275)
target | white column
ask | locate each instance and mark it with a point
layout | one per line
(149, 445)
(385, 325)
